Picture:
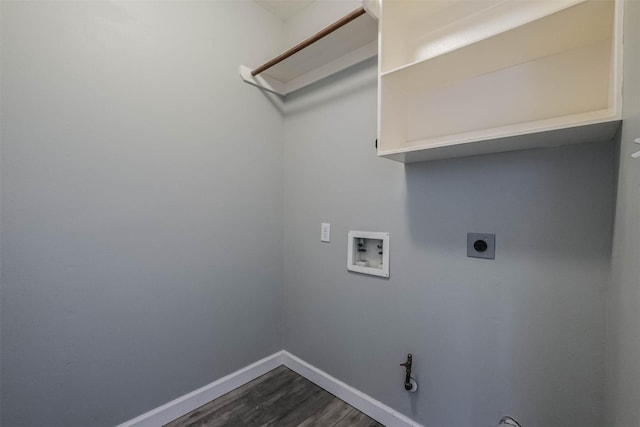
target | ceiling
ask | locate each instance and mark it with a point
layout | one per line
(284, 9)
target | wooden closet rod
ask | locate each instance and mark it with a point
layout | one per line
(314, 38)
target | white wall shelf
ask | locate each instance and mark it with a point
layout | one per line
(342, 48)
(462, 77)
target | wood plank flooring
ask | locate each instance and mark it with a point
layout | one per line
(279, 398)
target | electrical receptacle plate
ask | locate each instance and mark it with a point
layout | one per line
(481, 245)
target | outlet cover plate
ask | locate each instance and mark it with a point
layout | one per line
(481, 245)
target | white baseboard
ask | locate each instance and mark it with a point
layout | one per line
(364, 403)
(187, 403)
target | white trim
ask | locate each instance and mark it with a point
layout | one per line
(364, 403)
(187, 403)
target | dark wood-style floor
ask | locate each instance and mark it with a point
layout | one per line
(279, 398)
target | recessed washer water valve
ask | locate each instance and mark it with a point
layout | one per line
(368, 252)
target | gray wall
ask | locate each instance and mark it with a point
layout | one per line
(141, 205)
(142, 188)
(623, 385)
(521, 335)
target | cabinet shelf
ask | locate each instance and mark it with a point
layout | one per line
(465, 77)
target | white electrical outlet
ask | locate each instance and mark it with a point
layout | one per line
(325, 232)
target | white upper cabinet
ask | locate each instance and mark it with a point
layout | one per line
(465, 77)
